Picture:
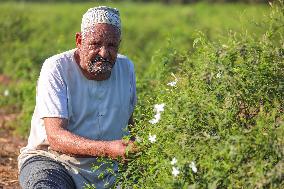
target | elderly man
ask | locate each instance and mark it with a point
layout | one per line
(84, 103)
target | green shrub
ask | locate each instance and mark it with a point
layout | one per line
(225, 116)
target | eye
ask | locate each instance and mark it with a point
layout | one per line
(112, 45)
(94, 46)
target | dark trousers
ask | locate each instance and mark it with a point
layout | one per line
(44, 173)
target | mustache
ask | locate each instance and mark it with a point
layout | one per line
(98, 58)
(106, 65)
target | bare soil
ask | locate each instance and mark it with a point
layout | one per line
(10, 145)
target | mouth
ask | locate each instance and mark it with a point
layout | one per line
(99, 65)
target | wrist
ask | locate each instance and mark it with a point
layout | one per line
(106, 151)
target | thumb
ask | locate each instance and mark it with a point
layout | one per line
(125, 142)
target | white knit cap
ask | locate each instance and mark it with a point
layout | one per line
(101, 14)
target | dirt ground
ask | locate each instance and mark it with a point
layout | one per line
(9, 151)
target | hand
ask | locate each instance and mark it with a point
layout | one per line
(120, 148)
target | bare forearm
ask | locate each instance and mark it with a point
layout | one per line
(64, 141)
(69, 143)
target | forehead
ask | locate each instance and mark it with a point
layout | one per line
(102, 31)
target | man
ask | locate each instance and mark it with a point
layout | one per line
(85, 100)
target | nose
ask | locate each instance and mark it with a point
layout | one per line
(104, 52)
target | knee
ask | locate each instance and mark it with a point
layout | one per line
(45, 178)
(45, 174)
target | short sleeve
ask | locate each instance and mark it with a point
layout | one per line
(51, 98)
(133, 96)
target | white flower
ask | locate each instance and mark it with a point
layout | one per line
(175, 171)
(174, 161)
(153, 121)
(193, 167)
(157, 116)
(159, 107)
(6, 92)
(172, 84)
(156, 119)
(218, 75)
(152, 138)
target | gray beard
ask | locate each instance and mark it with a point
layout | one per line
(103, 68)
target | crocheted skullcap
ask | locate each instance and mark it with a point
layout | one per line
(101, 14)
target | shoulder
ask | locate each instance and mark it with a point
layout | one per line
(58, 62)
(122, 59)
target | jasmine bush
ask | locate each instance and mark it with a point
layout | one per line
(218, 118)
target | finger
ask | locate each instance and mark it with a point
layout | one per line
(131, 148)
(134, 148)
(125, 142)
(125, 160)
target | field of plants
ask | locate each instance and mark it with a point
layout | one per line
(210, 83)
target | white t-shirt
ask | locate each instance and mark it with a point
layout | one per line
(97, 110)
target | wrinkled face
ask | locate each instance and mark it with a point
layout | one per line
(98, 49)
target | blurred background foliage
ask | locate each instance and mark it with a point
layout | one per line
(149, 1)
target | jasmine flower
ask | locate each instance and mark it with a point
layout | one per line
(193, 167)
(172, 84)
(159, 107)
(174, 161)
(175, 171)
(152, 138)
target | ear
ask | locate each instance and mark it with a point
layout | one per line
(119, 42)
(78, 39)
